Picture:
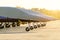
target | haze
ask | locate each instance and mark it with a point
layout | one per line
(48, 4)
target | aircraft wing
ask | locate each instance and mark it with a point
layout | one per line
(21, 13)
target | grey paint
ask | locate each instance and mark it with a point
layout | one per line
(22, 13)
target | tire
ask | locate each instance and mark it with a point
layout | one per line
(18, 24)
(1, 27)
(38, 25)
(35, 26)
(7, 25)
(27, 29)
(31, 27)
(43, 24)
(13, 25)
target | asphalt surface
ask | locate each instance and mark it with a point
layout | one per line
(49, 32)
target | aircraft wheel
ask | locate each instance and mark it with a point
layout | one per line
(13, 24)
(31, 27)
(27, 29)
(18, 24)
(43, 24)
(7, 25)
(38, 25)
(35, 26)
(1, 27)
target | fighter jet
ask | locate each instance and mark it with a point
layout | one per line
(11, 16)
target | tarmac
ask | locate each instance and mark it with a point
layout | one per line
(49, 32)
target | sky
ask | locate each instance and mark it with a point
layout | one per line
(48, 4)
